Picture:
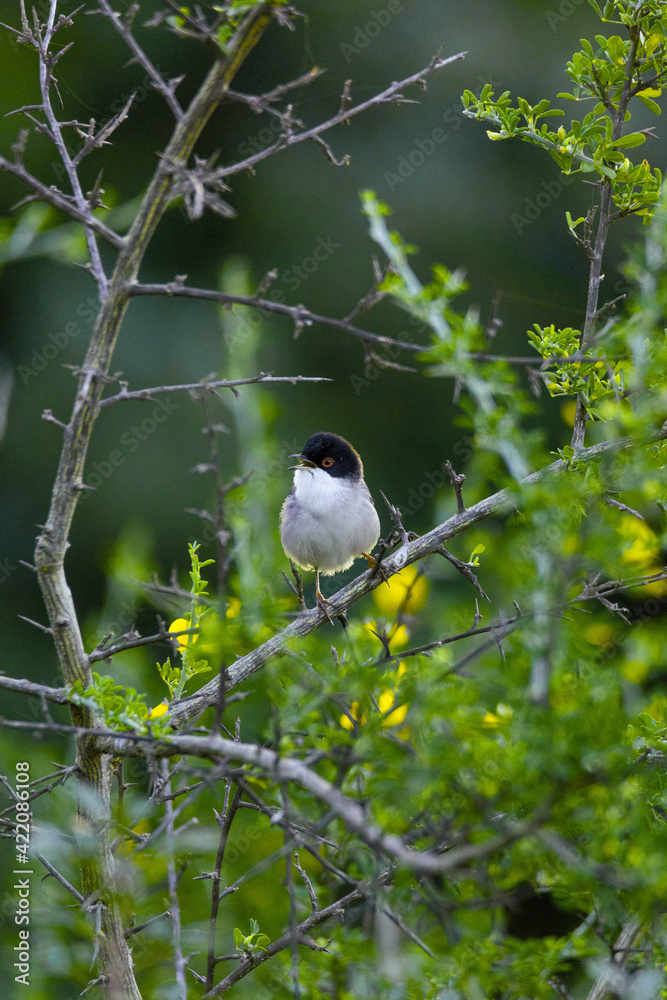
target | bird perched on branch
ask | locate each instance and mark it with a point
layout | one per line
(329, 518)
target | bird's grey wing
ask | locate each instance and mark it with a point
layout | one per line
(368, 494)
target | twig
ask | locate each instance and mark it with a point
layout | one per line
(46, 62)
(104, 653)
(611, 502)
(52, 196)
(464, 568)
(308, 884)
(391, 95)
(612, 976)
(131, 931)
(224, 822)
(457, 480)
(297, 934)
(42, 628)
(166, 89)
(60, 878)
(289, 883)
(299, 314)
(408, 553)
(395, 515)
(174, 903)
(206, 385)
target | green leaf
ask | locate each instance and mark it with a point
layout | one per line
(650, 104)
(629, 141)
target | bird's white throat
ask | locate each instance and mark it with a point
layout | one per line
(317, 491)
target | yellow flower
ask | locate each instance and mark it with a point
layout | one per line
(567, 412)
(397, 636)
(346, 720)
(635, 671)
(642, 546)
(642, 551)
(159, 710)
(393, 716)
(405, 590)
(601, 634)
(503, 713)
(183, 641)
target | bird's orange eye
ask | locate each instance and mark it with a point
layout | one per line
(327, 463)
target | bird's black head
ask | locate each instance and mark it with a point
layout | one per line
(333, 454)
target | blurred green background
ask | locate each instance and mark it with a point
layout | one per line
(495, 210)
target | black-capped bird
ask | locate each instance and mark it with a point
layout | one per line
(328, 519)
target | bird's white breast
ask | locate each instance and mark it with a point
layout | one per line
(326, 522)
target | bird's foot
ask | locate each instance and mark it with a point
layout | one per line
(327, 609)
(323, 605)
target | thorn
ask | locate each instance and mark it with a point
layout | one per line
(457, 480)
(42, 628)
(395, 515)
(50, 419)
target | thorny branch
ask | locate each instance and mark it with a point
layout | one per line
(206, 385)
(198, 186)
(391, 95)
(409, 552)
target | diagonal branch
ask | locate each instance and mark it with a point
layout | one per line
(391, 95)
(290, 769)
(408, 553)
(295, 935)
(46, 81)
(167, 89)
(299, 314)
(207, 385)
(52, 196)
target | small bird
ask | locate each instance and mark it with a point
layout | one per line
(329, 517)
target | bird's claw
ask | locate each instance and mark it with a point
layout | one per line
(324, 606)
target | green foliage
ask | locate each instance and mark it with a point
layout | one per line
(251, 943)
(613, 74)
(494, 403)
(118, 706)
(176, 677)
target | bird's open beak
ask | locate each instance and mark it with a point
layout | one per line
(304, 463)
